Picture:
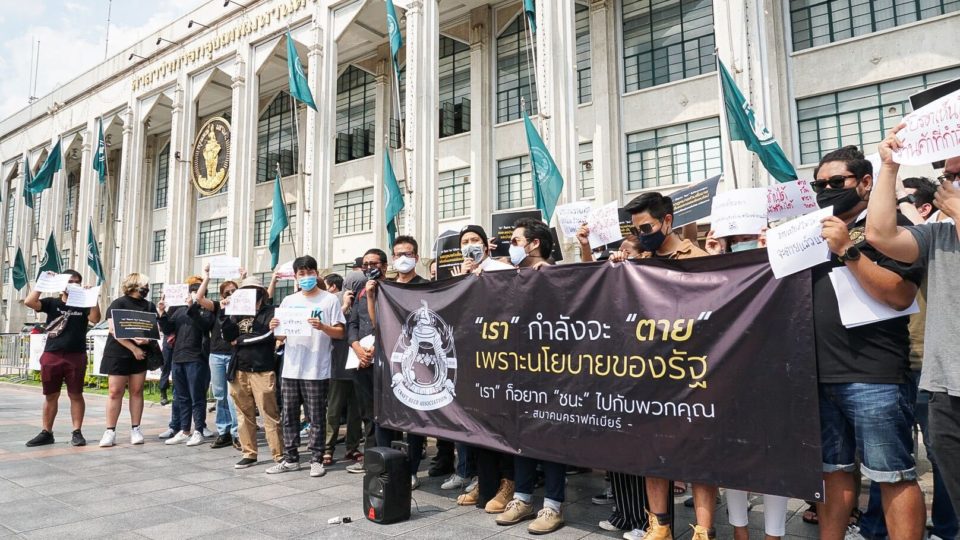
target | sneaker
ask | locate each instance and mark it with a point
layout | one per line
(212, 408)
(196, 438)
(284, 466)
(44, 437)
(170, 432)
(222, 441)
(136, 436)
(179, 438)
(853, 533)
(207, 434)
(603, 498)
(470, 498)
(414, 482)
(636, 534)
(656, 531)
(357, 468)
(571, 470)
(109, 438)
(76, 438)
(515, 512)
(498, 504)
(700, 533)
(473, 484)
(236, 443)
(454, 481)
(163, 399)
(548, 520)
(607, 526)
(317, 470)
(245, 463)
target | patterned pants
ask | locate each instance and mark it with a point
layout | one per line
(312, 396)
(630, 501)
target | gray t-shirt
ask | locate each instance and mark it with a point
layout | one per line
(940, 247)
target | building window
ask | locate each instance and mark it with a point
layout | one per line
(584, 77)
(353, 211)
(159, 246)
(70, 206)
(674, 154)
(65, 257)
(356, 109)
(818, 22)
(514, 73)
(263, 221)
(156, 290)
(454, 87)
(163, 173)
(32, 273)
(37, 200)
(860, 116)
(666, 40)
(11, 210)
(455, 193)
(6, 271)
(276, 140)
(212, 237)
(213, 289)
(587, 187)
(281, 290)
(514, 188)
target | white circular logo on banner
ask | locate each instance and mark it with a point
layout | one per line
(424, 362)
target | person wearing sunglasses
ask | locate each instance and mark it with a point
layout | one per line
(652, 217)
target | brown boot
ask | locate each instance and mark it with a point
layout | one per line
(700, 533)
(656, 531)
(498, 503)
(469, 499)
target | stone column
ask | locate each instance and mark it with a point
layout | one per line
(123, 200)
(181, 199)
(86, 202)
(481, 128)
(316, 223)
(243, 155)
(607, 141)
(133, 236)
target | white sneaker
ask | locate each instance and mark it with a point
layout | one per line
(853, 533)
(472, 485)
(282, 467)
(167, 434)
(109, 438)
(206, 433)
(179, 438)
(136, 436)
(607, 526)
(414, 482)
(196, 438)
(454, 481)
(636, 534)
(317, 470)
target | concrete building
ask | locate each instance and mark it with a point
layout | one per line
(627, 102)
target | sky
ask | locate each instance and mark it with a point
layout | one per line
(72, 36)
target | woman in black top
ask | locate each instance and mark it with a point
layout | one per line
(124, 361)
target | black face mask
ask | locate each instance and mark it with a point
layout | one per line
(842, 200)
(144, 291)
(372, 273)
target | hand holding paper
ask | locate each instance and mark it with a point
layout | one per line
(798, 244)
(242, 302)
(224, 267)
(82, 297)
(50, 282)
(293, 322)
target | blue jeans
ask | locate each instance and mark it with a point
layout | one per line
(466, 461)
(874, 420)
(190, 379)
(226, 411)
(554, 480)
(174, 412)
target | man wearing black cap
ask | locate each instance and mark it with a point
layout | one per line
(476, 251)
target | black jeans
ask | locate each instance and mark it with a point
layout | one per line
(191, 380)
(491, 468)
(554, 478)
(166, 369)
(945, 432)
(363, 386)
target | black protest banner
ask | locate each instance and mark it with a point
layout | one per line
(448, 255)
(693, 203)
(700, 370)
(132, 324)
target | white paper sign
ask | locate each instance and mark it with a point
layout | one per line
(37, 343)
(82, 298)
(175, 294)
(790, 199)
(293, 322)
(99, 344)
(857, 307)
(285, 271)
(932, 132)
(604, 225)
(353, 361)
(571, 216)
(739, 211)
(49, 282)
(242, 302)
(224, 267)
(798, 244)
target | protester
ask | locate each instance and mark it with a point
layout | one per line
(166, 347)
(124, 361)
(220, 352)
(191, 371)
(475, 249)
(342, 398)
(254, 383)
(64, 358)
(306, 368)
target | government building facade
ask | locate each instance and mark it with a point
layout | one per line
(624, 92)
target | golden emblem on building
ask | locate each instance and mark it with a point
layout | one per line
(210, 161)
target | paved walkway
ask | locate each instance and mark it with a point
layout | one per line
(158, 491)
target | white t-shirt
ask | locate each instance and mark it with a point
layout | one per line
(308, 358)
(491, 264)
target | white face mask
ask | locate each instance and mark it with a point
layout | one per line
(473, 252)
(517, 255)
(404, 264)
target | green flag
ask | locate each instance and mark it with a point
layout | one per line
(393, 34)
(393, 204)
(280, 222)
(93, 255)
(44, 177)
(530, 10)
(19, 271)
(547, 182)
(100, 157)
(744, 126)
(27, 180)
(50, 260)
(298, 79)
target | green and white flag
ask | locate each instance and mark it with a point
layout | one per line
(100, 157)
(530, 10)
(547, 182)
(744, 126)
(298, 79)
(280, 222)
(27, 180)
(393, 35)
(393, 204)
(44, 177)
(93, 255)
(19, 271)
(50, 259)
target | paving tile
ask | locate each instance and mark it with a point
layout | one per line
(30, 514)
(191, 527)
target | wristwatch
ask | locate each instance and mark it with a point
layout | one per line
(851, 254)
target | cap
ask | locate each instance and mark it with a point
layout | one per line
(357, 263)
(476, 229)
(251, 282)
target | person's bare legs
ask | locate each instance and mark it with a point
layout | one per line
(136, 397)
(704, 504)
(117, 385)
(658, 495)
(834, 516)
(903, 509)
(78, 407)
(50, 406)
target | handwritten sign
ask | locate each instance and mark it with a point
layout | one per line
(798, 244)
(81, 297)
(285, 271)
(740, 211)
(51, 282)
(604, 225)
(175, 294)
(693, 203)
(790, 199)
(224, 267)
(242, 302)
(571, 216)
(293, 322)
(932, 132)
(132, 324)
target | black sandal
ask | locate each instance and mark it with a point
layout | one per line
(810, 515)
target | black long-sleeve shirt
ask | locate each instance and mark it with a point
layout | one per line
(192, 327)
(254, 350)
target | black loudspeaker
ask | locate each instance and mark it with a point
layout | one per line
(386, 485)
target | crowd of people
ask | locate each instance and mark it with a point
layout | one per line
(876, 382)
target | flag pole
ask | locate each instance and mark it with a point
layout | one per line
(532, 62)
(724, 121)
(400, 130)
(293, 238)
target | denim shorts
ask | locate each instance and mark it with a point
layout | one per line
(872, 420)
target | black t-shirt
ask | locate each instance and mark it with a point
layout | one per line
(112, 348)
(874, 353)
(73, 336)
(217, 343)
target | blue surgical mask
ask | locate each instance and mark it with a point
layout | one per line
(517, 255)
(307, 283)
(744, 246)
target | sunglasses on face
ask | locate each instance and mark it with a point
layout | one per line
(642, 230)
(835, 182)
(226, 294)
